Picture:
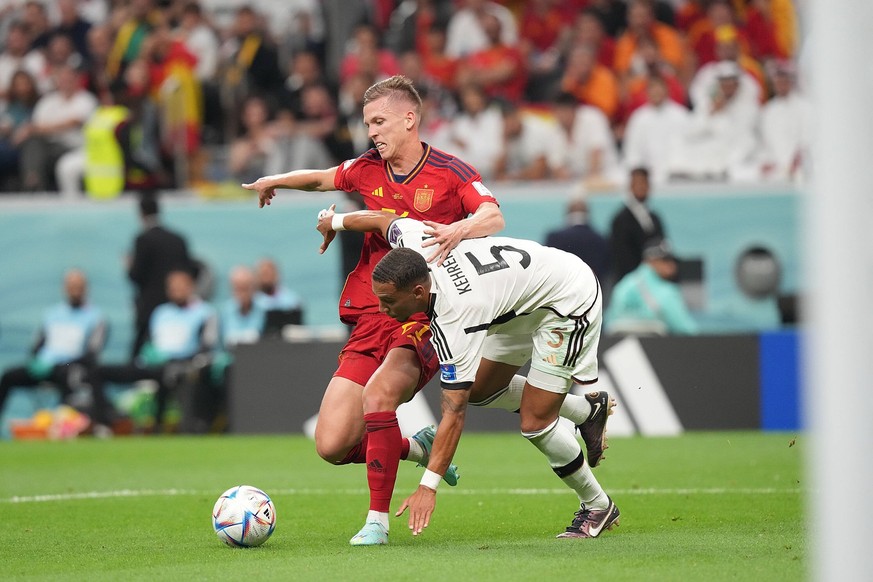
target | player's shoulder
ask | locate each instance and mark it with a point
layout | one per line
(370, 157)
(441, 160)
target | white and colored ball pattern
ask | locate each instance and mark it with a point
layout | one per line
(244, 517)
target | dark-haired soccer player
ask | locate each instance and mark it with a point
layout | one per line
(384, 363)
(494, 304)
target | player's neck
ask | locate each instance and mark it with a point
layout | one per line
(406, 160)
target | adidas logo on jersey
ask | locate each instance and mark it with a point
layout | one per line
(377, 192)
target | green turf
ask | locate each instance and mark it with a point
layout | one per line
(711, 506)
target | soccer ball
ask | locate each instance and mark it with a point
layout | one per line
(244, 517)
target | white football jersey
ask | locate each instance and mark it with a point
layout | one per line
(487, 283)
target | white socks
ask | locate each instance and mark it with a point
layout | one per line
(378, 517)
(416, 451)
(564, 453)
(575, 407)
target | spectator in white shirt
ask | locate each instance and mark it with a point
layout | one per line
(784, 131)
(586, 147)
(465, 33)
(653, 131)
(721, 143)
(55, 129)
(200, 40)
(528, 144)
(17, 55)
(476, 133)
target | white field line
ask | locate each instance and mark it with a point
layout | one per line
(278, 492)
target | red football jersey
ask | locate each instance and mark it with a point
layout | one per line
(440, 188)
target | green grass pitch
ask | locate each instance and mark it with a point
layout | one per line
(704, 506)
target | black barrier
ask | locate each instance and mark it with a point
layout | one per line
(712, 383)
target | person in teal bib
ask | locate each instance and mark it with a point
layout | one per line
(182, 337)
(72, 335)
(647, 300)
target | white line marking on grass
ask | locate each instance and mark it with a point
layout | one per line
(277, 492)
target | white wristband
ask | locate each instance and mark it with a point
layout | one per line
(336, 222)
(430, 479)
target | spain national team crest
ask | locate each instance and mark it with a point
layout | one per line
(423, 199)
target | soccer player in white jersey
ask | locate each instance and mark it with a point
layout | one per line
(494, 304)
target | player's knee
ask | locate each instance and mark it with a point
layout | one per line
(330, 451)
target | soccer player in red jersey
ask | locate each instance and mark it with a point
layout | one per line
(357, 421)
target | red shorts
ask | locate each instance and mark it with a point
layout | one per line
(375, 335)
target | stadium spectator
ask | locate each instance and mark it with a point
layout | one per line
(529, 140)
(299, 28)
(54, 129)
(479, 364)
(304, 71)
(466, 33)
(200, 40)
(543, 27)
(641, 23)
(784, 128)
(579, 238)
(476, 131)
(654, 131)
(589, 81)
(383, 363)
(181, 338)
(95, 73)
(648, 65)
(241, 317)
(411, 22)
(177, 92)
(585, 148)
(499, 68)
(771, 27)
(72, 25)
(632, 226)
(59, 52)
(588, 29)
(364, 54)
(138, 20)
(704, 84)
(157, 251)
(17, 55)
(255, 151)
(271, 292)
(250, 60)
(437, 66)
(701, 35)
(340, 19)
(69, 341)
(15, 117)
(349, 104)
(721, 142)
(35, 17)
(612, 13)
(647, 300)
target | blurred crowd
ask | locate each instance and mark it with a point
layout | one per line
(101, 95)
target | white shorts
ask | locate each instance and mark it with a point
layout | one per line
(561, 350)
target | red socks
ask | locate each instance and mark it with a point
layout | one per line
(384, 449)
(358, 453)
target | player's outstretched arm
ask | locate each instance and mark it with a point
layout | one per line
(422, 502)
(487, 220)
(307, 180)
(329, 222)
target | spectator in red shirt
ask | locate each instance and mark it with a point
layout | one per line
(499, 68)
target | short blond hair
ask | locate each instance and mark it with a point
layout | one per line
(396, 87)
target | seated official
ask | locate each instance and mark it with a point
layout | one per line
(68, 343)
(241, 321)
(182, 336)
(271, 294)
(647, 301)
